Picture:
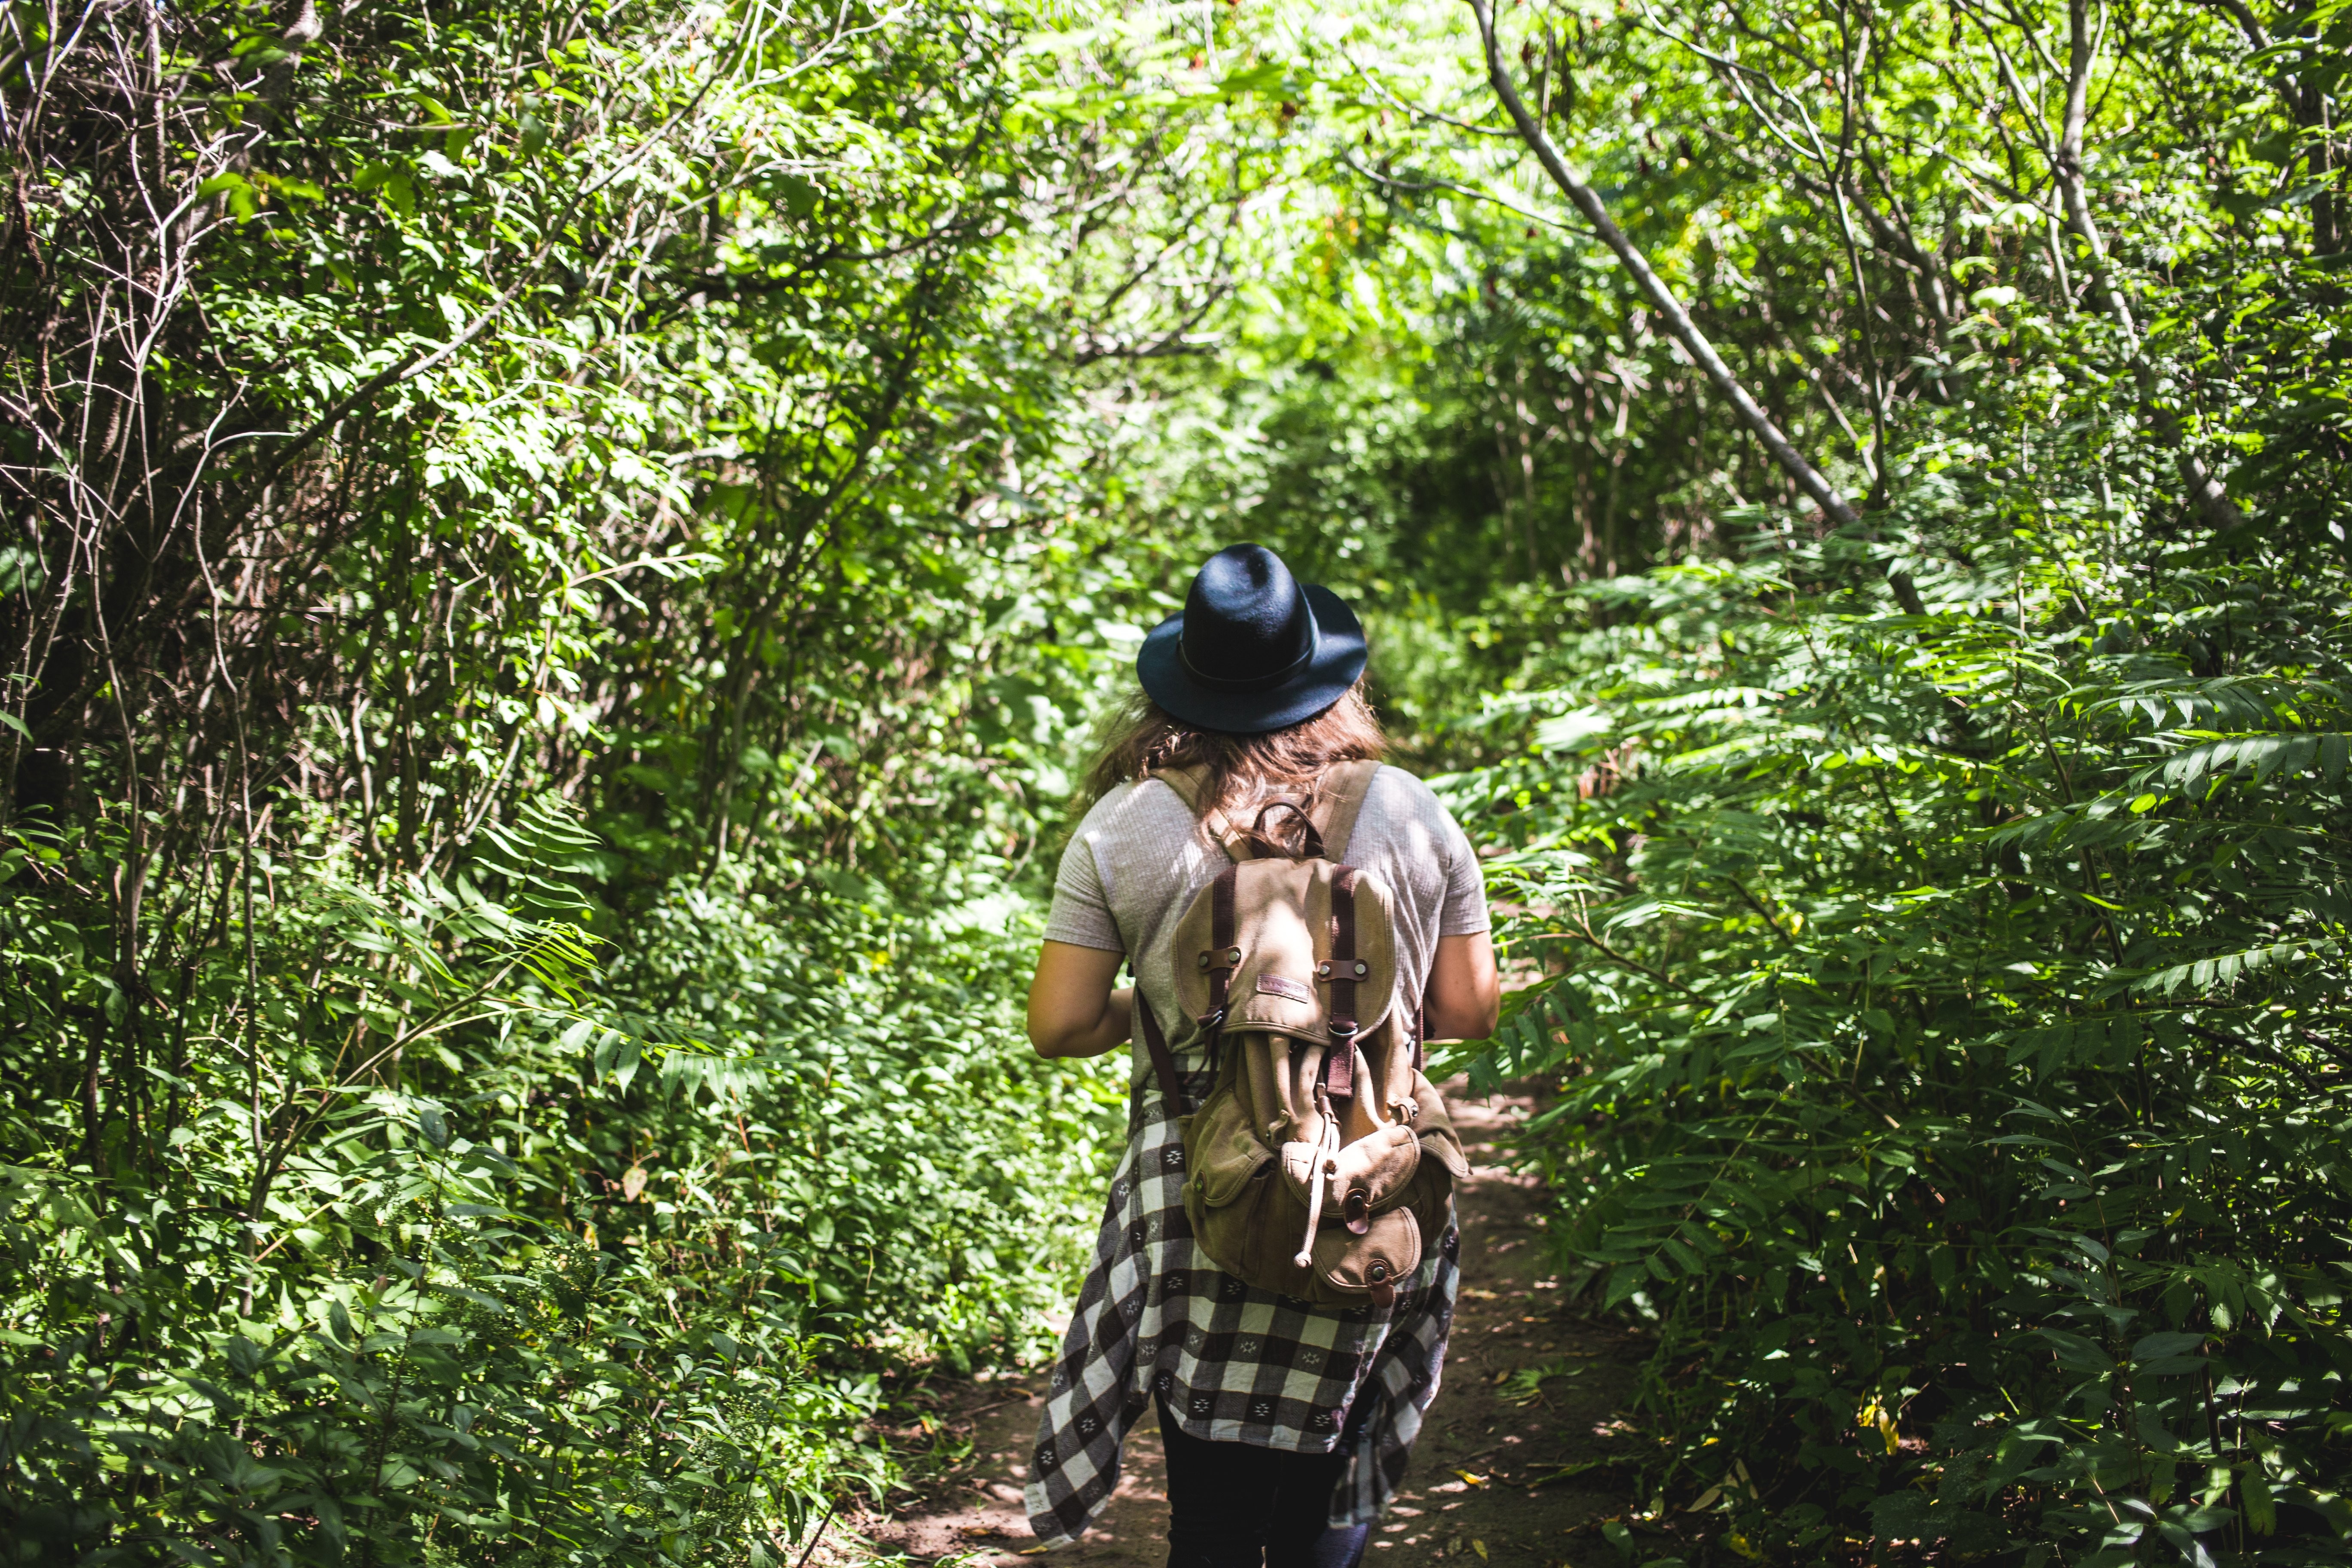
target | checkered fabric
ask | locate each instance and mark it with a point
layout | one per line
(1230, 1362)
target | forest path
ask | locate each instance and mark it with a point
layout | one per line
(1486, 1484)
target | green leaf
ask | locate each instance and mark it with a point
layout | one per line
(2254, 1497)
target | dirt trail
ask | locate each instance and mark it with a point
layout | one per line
(1486, 1484)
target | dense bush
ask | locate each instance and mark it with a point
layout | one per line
(1956, 1019)
(1938, 921)
(508, 1004)
(590, 1277)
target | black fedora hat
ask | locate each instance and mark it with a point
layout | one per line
(1253, 648)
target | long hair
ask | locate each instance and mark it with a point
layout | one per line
(1243, 775)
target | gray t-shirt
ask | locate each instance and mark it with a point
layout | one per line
(1137, 859)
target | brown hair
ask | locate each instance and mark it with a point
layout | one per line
(1242, 773)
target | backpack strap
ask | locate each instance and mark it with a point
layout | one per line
(1186, 782)
(1222, 957)
(1163, 1065)
(1339, 1060)
(1345, 787)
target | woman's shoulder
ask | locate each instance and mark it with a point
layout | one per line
(1404, 794)
(1137, 807)
(1406, 816)
(1392, 777)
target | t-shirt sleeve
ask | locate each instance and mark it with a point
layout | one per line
(1463, 911)
(1081, 912)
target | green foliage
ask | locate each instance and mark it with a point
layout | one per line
(1935, 925)
(562, 559)
(1951, 1003)
(574, 1280)
(868, 1065)
(1955, 1082)
(654, 409)
(447, 1384)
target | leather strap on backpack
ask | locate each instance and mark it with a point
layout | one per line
(1221, 924)
(1162, 1064)
(1220, 959)
(1339, 1060)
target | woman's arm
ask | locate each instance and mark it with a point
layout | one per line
(1073, 1011)
(1465, 995)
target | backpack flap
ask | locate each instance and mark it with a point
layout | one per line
(1374, 1263)
(1371, 1173)
(1361, 1178)
(1255, 950)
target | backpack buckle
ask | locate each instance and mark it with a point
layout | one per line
(1345, 1028)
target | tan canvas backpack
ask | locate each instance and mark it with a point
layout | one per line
(1322, 1161)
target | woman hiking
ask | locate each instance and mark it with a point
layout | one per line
(1287, 1422)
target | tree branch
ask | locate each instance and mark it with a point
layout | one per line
(1685, 330)
(2205, 491)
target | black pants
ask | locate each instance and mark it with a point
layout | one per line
(1236, 1505)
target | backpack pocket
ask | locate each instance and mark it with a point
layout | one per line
(1241, 1235)
(1373, 1264)
(1222, 1155)
(1435, 1129)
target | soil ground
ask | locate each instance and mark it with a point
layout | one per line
(1509, 1471)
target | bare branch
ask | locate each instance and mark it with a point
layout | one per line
(1684, 330)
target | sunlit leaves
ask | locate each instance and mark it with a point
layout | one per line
(1947, 1016)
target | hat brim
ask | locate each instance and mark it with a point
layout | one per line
(1339, 658)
